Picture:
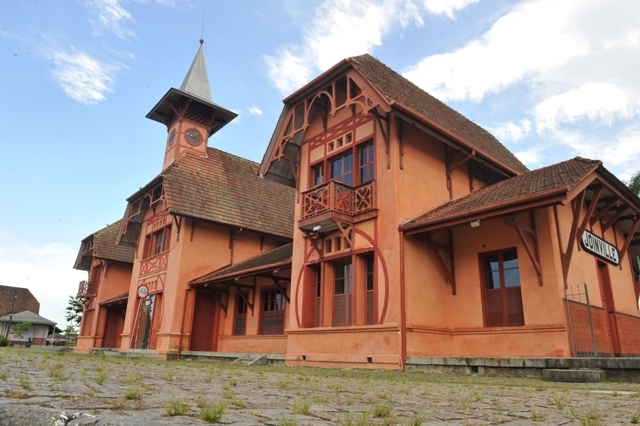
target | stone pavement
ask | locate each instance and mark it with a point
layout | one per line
(40, 388)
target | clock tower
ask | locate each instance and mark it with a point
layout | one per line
(190, 114)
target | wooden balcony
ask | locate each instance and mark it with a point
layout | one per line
(87, 289)
(324, 204)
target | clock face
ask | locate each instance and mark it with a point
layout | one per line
(172, 137)
(193, 136)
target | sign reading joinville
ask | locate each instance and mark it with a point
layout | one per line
(596, 245)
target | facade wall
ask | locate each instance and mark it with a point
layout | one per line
(196, 249)
(114, 280)
(401, 193)
(443, 324)
(583, 270)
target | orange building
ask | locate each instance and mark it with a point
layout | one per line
(205, 211)
(382, 228)
(419, 235)
(106, 291)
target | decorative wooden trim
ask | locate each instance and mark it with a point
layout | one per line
(403, 129)
(217, 295)
(627, 241)
(449, 156)
(531, 251)
(449, 271)
(590, 209)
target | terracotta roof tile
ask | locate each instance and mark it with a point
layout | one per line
(565, 174)
(396, 88)
(276, 256)
(105, 247)
(226, 189)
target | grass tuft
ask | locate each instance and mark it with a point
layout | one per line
(177, 408)
(301, 407)
(212, 413)
(133, 394)
(382, 411)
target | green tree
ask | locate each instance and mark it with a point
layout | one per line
(634, 183)
(74, 311)
(19, 329)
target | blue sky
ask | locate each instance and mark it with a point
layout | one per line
(551, 79)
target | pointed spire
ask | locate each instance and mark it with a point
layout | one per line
(196, 81)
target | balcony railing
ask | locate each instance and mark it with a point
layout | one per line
(87, 289)
(337, 197)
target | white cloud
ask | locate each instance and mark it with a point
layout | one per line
(343, 28)
(595, 101)
(510, 131)
(112, 17)
(82, 77)
(531, 38)
(447, 7)
(47, 271)
(531, 157)
(255, 110)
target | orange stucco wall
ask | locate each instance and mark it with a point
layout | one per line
(198, 248)
(114, 280)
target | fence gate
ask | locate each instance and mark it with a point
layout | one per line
(580, 320)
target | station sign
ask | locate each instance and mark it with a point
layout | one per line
(599, 247)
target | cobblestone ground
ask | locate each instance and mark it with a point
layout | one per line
(45, 388)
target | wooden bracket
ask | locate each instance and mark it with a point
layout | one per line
(244, 296)
(587, 217)
(178, 221)
(619, 212)
(217, 295)
(385, 134)
(283, 289)
(566, 255)
(403, 129)
(533, 253)
(346, 229)
(193, 228)
(316, 241)
(449, 155)
(609, 203)
(630, 235)
(436, 247)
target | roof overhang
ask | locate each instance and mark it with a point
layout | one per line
(616, 205)
(164, 109)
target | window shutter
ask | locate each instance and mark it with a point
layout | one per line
(514, 306)
(370, 319)
(495, 316)
(318, 307)
(339, 310)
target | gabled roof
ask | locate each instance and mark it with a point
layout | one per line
(226, 189)
(405, 98)
(27, 316)
(104, 247)
(397, 89)
(278, 257)
(557, 179)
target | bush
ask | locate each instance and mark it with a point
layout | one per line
(4, 341)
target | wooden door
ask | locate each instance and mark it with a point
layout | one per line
(111, 329)
(203, 323)
(608, 305)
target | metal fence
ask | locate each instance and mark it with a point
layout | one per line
(580, 320)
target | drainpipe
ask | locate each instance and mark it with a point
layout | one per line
(184, 308)
(13, 304)
(403, 312)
